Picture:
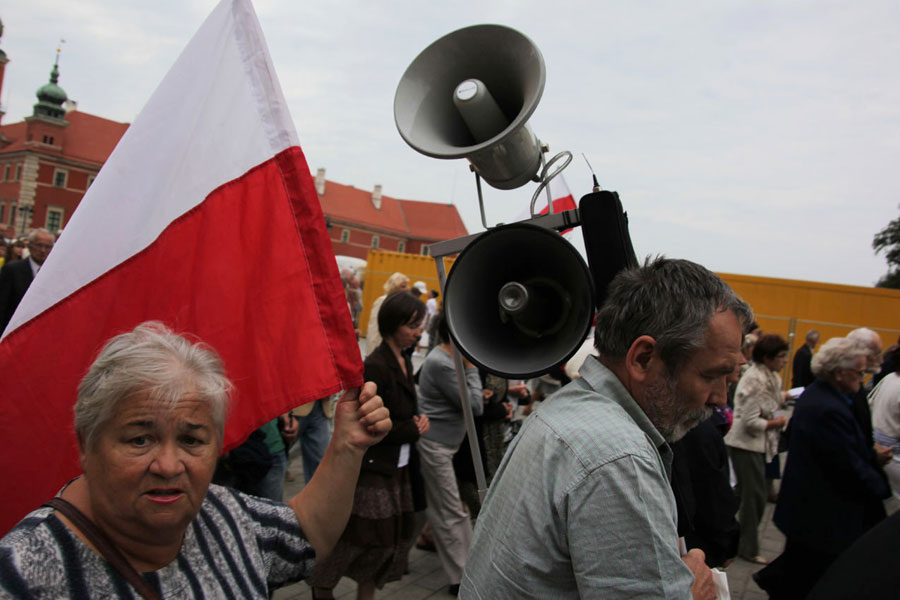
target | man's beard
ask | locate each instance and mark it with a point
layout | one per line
(667, 411)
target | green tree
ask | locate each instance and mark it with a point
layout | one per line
(888, 240)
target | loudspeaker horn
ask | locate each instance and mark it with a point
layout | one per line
(519, 300)
(469, 95)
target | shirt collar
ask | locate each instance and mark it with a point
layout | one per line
(34, 266)
(605, 382)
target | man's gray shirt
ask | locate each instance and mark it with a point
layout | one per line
(581, 506)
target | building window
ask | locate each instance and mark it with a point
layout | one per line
(54, 219)
(6, 173)
(2, 212)
(374, 241)
(424, 250)
(91, 179)
(48, 139)
(345, 235)
(12, 214)
(18, 172)
(401, 246)
(59, 178)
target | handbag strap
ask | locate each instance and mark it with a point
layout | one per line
(105, 546)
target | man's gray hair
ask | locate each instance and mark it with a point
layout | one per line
(837, 353)
(812, 335)
(152, 360)
(670, 300)
(868, 339)
(34, 233)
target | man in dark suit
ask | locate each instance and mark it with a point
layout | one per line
(16, 276)
(832, 490)
(802, 374)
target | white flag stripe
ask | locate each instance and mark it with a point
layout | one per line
(558, 189)
(123, 225)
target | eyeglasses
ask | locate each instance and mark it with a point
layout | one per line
(860, 372)
(41, 246)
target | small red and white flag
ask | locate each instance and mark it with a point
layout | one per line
(204, 217)
(562, 200)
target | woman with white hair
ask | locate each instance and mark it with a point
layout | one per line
(885, 401)
(143, 518)
(397, 281)
(831, 491)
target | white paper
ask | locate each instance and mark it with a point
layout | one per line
(404, 456)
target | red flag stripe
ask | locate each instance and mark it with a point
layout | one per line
(268, 298)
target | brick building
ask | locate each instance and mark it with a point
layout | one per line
(48, 161)
(359, 220)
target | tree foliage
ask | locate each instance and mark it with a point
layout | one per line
(888, 241)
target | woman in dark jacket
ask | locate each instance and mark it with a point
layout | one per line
(373, 548)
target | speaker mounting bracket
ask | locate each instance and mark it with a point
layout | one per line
(543, 179)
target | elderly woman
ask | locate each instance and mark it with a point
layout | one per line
(753, 438)
(149, 422)
(373, 549)
(885, 401)
(832, 489)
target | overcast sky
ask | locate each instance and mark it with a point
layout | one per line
(754, 137)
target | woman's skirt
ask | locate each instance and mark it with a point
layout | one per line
(379, 534)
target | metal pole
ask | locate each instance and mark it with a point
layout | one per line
(469, 418)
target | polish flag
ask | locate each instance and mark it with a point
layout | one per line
(562, 200)
(205, 217)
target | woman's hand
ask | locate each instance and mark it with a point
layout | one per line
(360, 418)
(422, 423)
(777, 422)
(517, 391)
(509, 410)
(487, 395)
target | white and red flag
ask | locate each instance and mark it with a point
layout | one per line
(562, 200)
(205, 217)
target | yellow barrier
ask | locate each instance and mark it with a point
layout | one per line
(787, 307)
(381, 264)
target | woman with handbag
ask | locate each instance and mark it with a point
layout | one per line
(373, 548)
(753, 438)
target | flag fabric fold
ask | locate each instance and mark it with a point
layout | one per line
(205, 217)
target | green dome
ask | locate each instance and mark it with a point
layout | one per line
(51, 97)
(51, 92)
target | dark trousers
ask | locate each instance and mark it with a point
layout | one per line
(793, 574)
(750, 470)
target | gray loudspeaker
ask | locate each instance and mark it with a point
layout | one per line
(469, 95)
(519, 300)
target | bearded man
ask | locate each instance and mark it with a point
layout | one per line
(581, 506)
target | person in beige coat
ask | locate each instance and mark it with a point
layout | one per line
(397, 281)
(753, 438)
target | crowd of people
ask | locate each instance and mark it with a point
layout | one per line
(636, 474)
(22, 258)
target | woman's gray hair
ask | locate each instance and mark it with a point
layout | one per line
(836, 353)
(670, 300)
(150, 359)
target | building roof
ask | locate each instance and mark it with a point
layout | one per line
(347, 203)
(432, 221)
(409, 218)
(88, 138)
(92, 138)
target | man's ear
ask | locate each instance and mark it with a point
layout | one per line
(640, 358)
